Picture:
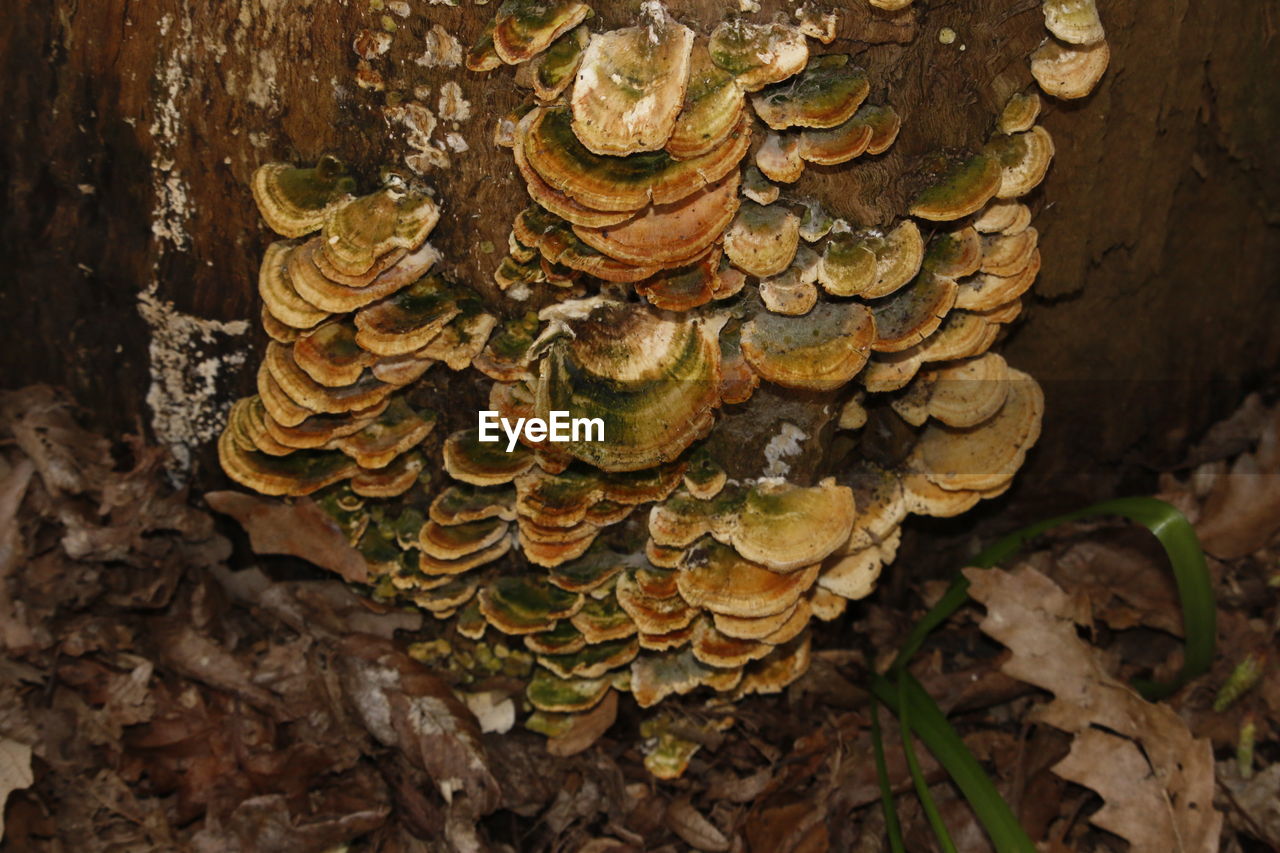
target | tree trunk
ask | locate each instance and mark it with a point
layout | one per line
(132, 244)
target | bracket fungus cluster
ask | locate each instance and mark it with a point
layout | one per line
(667, 278)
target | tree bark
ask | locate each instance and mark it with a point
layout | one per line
(132, 244)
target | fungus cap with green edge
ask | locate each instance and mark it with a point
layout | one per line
(608, 183)
(561, 639)
(650, 379)
(955, 254)
(462, 338)
(684, 288)
(957, 187)
(1020, 113)
(330, 355)
(523, 604)
(556, 202)
(437, 567)
(1024, 160)
(713, 107)
(357, 234)
(395, 430)
(296, 474)
(392, 480)
(454, 541)
(715, 577)
(505, 357)
(294, 200)
(913, 313)
(409, 319)
(555, 69)
(593, 661)
(603, 619)
(550, 693)
(820, 351)
(524, 28)
(481, 463)
(826, 93)
(657, 676)
(482, 55)
(784, 527)
(704, 478)
(461, 502)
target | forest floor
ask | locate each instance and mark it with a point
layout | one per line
(153, 698)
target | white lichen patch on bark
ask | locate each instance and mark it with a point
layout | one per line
(782, 446)
(184, 363)
(186, 369)
(441, 50)
(452, 106)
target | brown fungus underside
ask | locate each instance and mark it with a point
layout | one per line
(677, 276)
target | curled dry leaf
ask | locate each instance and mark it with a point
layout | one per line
(1157, 780)
(403, 705)
(299, 529)
(587, 728)
(15, 771)
(688, 823)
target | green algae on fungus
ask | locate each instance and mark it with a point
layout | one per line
(712, 108)
(408, 320)
(651, 379)
(609, 183)
(294, 201)
(524, 28)
(958, 186)
(826, 93)
(820, 351)
(914, 312)
(758, 54)
(522, 604)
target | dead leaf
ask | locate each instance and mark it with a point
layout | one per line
(299, 529)
(404, 705)
(1255, 801)
(587, 728)
(686, 822)
(15, 771)
(1160, 776)
(1242, 511)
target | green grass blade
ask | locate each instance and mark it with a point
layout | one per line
(931, 812)
(892, 827)
(931, 726)
(918, 713)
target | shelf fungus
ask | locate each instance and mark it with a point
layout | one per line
(707, 313)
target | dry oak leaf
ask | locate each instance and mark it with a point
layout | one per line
(1156, 779)
(15, 771)
(300, 529)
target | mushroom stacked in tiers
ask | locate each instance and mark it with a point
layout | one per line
(681, 277)
(355, 318)
(684, 288)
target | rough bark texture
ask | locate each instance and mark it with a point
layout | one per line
(130, 130)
